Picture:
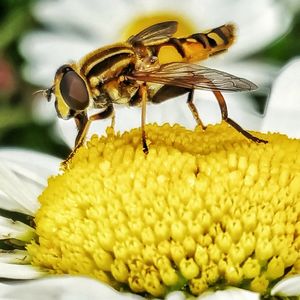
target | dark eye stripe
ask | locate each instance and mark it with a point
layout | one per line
(74, 91)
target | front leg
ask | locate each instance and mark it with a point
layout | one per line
(80, 121)
(83, 123)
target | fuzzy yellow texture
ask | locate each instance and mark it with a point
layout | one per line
(201, 208)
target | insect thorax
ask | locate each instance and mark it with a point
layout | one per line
(104, 69)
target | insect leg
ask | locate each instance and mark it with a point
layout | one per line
(193, 109)
(224, 112)
(99, 116)
(83, 123)
(144, 96)
(80, 120)
(113, 120)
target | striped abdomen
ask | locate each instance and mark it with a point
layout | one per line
(106, 63)
(200, 46)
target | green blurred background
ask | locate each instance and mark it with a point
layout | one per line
(17, 125)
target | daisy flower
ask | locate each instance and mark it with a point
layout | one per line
(73, 28)
(282, 113)
(207, 214)
(201, 212)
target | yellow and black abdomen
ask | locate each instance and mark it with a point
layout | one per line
(198, 46)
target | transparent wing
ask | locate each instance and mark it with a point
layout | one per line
(194, 77)
(155, 34)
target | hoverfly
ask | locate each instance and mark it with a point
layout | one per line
(130, 73)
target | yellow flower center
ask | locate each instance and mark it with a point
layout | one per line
(201, 209)
(167, 53)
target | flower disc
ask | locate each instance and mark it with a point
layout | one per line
(201, 209)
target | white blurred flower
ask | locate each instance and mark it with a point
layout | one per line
(76, 27)
(283, 110)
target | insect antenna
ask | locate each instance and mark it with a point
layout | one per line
(46, 93)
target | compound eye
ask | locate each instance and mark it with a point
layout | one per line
(74, 91)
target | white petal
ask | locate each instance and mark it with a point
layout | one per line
(283, 110)
(15, 229)
(230, 294)
(20, 193)
(14, 256)
(63, 288)
(42, 164)
(9, 203)
(175, 296)
(23, 176)
(16, 271)
(287, 287)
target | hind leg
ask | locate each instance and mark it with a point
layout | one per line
(224, 112)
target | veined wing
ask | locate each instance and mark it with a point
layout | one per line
(155, 34)
(194, 76)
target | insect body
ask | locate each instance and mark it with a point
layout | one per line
(130, 73)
